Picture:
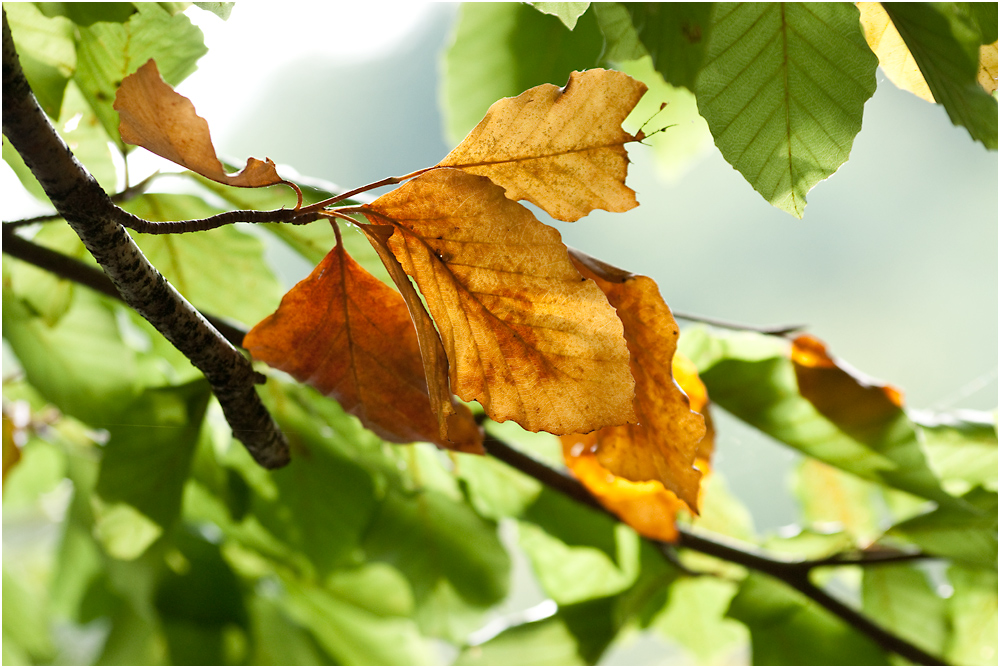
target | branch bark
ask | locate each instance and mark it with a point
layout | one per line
(81, 201)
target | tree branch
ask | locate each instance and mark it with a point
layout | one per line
(81, 201)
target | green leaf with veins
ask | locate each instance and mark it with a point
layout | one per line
(674, 35)
(783, 88)
(46, 51)
(899, 598)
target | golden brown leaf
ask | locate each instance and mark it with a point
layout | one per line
(349, 335)
(664, 444)
(562, 149)
(894, 57)
(156, 117)
(526, 335)
(859, 405)
(645, 506)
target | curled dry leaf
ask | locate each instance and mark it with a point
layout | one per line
(347, 334)
(664, 444)
(527, 337)
(157, 118)
(647, 507)
(860, 406)
(562, 149)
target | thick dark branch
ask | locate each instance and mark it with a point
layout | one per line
(81, 201)
(219, 220)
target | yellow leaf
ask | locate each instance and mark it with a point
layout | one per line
(163, 121)
(893, 57)
(663, 445)
(526, 335)
(347, 334)
(988, 67)
(562, 149)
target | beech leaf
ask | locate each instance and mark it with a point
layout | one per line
(664, 444)
(526, 335)
(161, 120)
(347, 334)
(648, 507)
(562, 149)
(893, 57)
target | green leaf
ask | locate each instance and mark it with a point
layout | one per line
(973, 612)
(220, 9)
(961, 447)
(944, 40)
(241, 287)
(24, 175)
(145, 466)
(899, 598)
(81, 364)
(431, 537)
(567, 12)
(831, 497)
(496, 490)
(783, 88)
(577, 553)
(576, 634)
(278, 640)
(108, 52)
(47, 295)
(787, 628)
(502, 49)
(621, 41)
(985, 16)
(967, 535)
(695, 617)
(752, 377)
(46, 51)
(353, 635)
(88, 13)
(87, 138)
(674, 35)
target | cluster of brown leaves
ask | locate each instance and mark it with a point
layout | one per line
(554, 340)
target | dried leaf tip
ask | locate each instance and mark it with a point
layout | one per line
(159, 119)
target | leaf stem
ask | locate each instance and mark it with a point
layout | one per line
(390, 181)
(780, 330)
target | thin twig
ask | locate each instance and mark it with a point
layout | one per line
(779, 330)
(219, 220)
(390, 181)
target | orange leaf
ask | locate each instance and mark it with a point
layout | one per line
(163, 121)
(562, 149)
(859, 405)
(349, 335)
(526, 335)
(645, 506)
(664, 444)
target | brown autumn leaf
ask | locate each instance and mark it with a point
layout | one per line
(347, 334)
(647, 507)
(157, 118)
(663, 445)
(860, 406)
(527, 337)
(562, 149)
(987, 76)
